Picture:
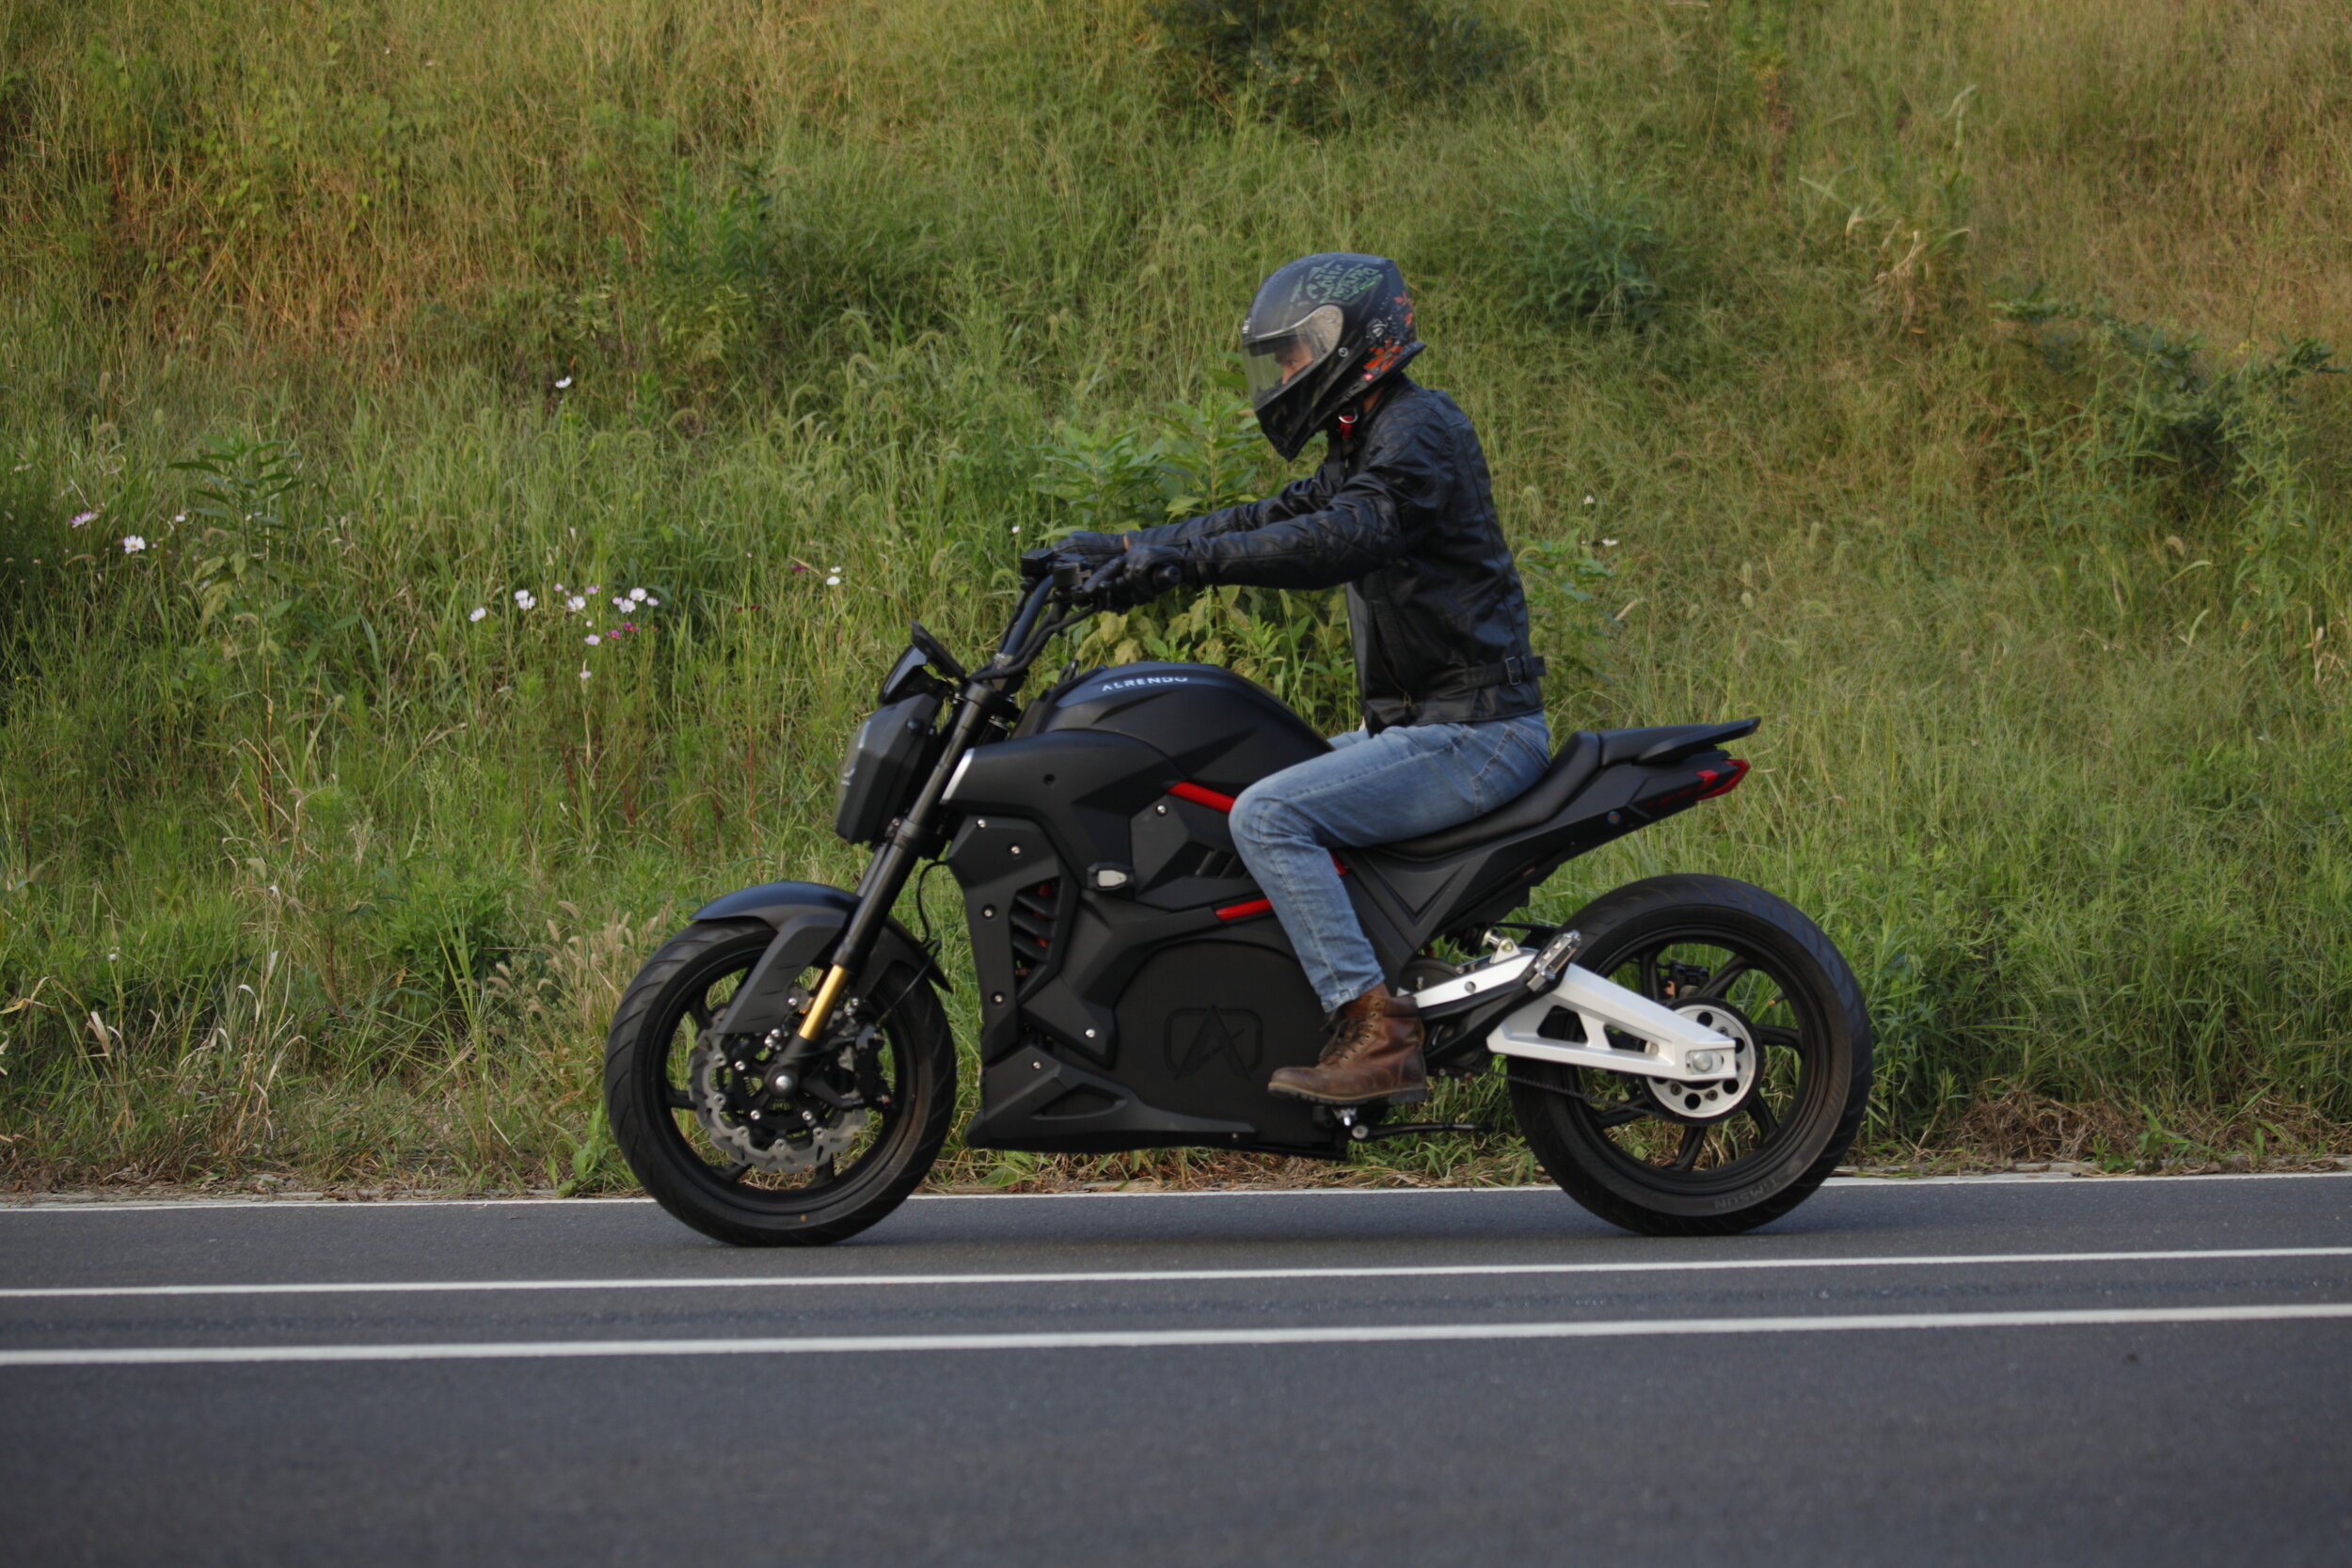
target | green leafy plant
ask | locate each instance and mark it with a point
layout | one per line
(590, 1157)
(1572, 627)
(1188, 458)
(247, 576)
(1589, 251)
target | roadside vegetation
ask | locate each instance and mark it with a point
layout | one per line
(462, 466)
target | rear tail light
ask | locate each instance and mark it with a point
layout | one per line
(1722, 781)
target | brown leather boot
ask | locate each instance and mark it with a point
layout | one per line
(1373, 1053)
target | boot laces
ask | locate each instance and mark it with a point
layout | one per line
(1350, 1036)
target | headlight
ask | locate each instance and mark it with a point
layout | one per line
(880, 774)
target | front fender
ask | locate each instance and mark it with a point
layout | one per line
(808, 918)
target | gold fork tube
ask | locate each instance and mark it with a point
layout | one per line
(828, 992)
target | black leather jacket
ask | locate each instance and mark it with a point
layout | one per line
(1403, 514)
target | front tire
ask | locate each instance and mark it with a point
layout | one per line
(669, 1118)
(1671, 1164)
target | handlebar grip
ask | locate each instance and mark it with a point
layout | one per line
(1068, 575)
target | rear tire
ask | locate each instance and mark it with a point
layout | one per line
(1632, 1155)
(650, 1098)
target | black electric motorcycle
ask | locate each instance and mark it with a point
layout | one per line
(1688, 1055)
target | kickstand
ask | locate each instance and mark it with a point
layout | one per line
(1363, 1124)
(1412, 1129)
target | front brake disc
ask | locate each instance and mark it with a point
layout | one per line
(828, 1136)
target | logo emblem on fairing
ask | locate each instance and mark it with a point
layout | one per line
(1198, 1035)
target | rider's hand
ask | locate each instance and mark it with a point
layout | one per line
(1083, 551)
(1138, 573)
(1088, 549)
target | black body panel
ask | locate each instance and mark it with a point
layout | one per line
(1133, 989)
(1088, 989)
(1221, 732)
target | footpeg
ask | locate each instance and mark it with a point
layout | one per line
(1552, 962)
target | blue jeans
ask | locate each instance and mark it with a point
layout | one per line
(1405, 781)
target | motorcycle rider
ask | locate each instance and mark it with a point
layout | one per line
(1400, 511)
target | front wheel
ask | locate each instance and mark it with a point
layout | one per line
(1704, 1160)
(703, 1129)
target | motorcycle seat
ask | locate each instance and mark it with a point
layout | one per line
(1585, 754)
(1571, 769)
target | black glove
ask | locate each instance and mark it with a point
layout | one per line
(1084, 549)
(1138, 573)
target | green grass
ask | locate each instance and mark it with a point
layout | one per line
(1949, 413)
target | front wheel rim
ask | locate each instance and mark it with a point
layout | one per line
(681, 1024)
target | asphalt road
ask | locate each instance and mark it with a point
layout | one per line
(2038, 1370)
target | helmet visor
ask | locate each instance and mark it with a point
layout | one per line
(1277, 359)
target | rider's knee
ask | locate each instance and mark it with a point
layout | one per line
(1258, 818)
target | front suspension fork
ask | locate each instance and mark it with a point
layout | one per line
(886, 878)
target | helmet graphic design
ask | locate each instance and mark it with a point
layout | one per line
(1324, 331)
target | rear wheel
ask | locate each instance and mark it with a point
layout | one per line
(702, 1126)
(1679, 1160)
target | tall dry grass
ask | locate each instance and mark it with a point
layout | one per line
(1961, 434)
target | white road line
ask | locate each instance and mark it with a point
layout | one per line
(2046, 1178)
(1127, 1276)
(196, 1355)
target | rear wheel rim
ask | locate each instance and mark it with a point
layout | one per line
(1635, 1130)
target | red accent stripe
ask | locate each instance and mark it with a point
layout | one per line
(1242, 911)
(1201, 797)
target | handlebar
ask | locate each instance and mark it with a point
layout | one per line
(1031, 631)
(1065, 586)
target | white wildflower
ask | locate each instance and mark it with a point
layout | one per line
(623, 603)
(653, 603)
(523, 599)
(83, 517)
(594, 589)
(576, 603)
(179, 516)
(132, 543)
(833, 581)
(567, 381)
(637, 595)
(592, 639)
(583, 672)
(478, 612)
(559, 587)
(1607, 542)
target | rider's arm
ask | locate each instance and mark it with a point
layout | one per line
(1310, 537)
(1295, 500)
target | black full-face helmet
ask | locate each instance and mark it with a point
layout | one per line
(1324, 331)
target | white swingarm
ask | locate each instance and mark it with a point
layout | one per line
(1615, 1030)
